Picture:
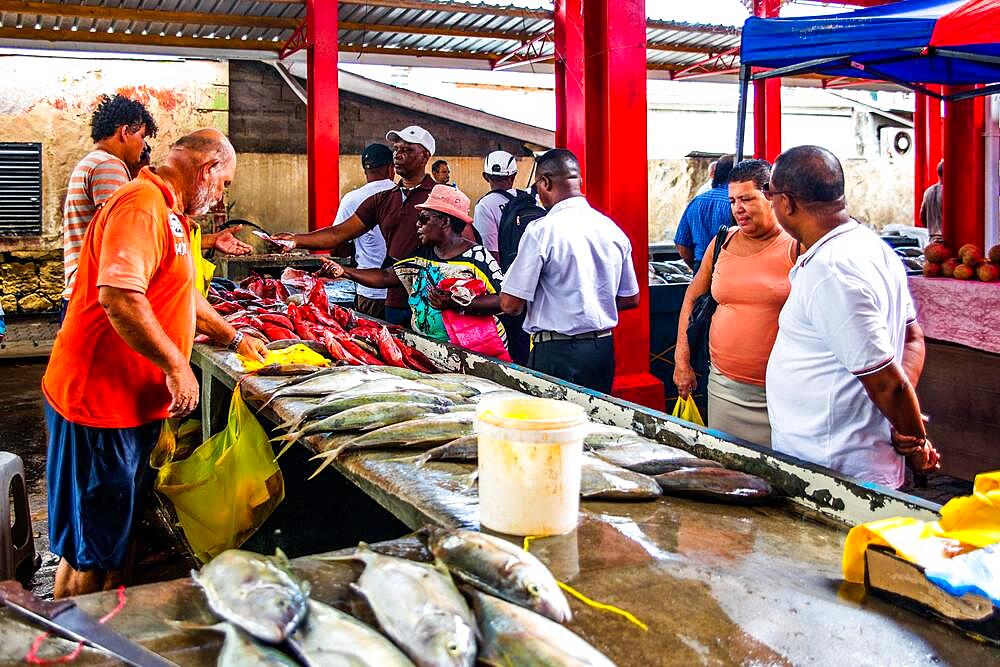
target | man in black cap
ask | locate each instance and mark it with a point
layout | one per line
(369, 248)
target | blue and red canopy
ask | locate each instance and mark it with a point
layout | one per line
(952, 42)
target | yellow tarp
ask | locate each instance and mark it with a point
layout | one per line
(293, 354)
(966, 523)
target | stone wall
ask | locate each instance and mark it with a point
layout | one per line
(50, 100)
(267, 117)
(31, 281)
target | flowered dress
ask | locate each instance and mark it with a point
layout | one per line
(425, 270)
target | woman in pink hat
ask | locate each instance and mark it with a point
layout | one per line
(453, 283)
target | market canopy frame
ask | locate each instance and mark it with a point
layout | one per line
(909, 43)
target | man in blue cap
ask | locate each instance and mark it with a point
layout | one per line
(369, 248)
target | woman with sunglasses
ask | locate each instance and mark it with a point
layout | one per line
(750, 284)
(444, 255)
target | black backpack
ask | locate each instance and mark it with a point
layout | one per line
(521, 209)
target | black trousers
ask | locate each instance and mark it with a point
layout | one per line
(518, 341)
(589, 362)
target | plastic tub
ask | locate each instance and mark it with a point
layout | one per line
(530, 452)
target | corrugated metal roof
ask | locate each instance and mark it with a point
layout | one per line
(432, 28)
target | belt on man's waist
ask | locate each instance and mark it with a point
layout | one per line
(546, 336)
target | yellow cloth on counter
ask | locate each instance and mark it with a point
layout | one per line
(966, 523)
(204, 270)
(293, 354)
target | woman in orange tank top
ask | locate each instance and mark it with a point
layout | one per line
(750, 284)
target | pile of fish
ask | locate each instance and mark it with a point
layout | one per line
(358, 408)
(266, 308)
(423, 617)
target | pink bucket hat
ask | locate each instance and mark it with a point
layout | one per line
(446, 199)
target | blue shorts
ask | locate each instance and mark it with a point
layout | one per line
(98, 478)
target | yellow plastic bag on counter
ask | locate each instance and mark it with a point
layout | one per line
(293, 354)
(226, 488)
(966, 523)
(687, 409)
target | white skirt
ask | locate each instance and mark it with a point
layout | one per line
(738, 408)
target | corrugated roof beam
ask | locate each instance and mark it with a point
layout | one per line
(97, 13)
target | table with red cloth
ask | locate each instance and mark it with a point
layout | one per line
(958, 311)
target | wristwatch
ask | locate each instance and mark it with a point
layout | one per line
(235, 342)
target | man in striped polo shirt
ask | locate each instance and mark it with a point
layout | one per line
(119, 128)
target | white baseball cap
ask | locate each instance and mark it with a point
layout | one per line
(500, 163)
(413, 134)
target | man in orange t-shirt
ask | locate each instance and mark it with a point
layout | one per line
(120, 362)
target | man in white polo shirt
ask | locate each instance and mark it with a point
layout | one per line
(849, 352)
(369, 248)
(573, 274)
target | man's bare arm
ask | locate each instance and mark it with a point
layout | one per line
(328, 238)
(687, 254)
(914, 352)
(214, 326)
(133, 319)
(511, 305)
(626, 302)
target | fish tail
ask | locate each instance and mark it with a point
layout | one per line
(288, 445)
(328, 458)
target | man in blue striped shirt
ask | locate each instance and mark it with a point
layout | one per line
(704, 215)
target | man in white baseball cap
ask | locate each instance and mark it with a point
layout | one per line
(414, 134)
(393, 211)
(499, 171)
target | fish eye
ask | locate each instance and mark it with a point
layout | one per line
(534, 589)
(452, 647)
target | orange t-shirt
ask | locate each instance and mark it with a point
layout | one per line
(750, 292)
(136, 242)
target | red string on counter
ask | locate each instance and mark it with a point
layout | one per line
(32, 658)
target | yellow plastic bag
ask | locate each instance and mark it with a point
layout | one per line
(686, 409)
(293, 354)
(204, 270)
(966, 523)
(226, 488)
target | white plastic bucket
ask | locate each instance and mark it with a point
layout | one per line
(530, 452)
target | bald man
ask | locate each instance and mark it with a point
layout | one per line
(120, 365)
(849, 352)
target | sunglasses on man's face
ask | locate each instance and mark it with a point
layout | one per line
(769, 193)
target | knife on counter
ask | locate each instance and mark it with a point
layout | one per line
(67, 620)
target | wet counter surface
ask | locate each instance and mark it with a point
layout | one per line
(716, 584)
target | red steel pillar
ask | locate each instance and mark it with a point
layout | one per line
(921, 144)
(767, 99)
(964, 163)
(571, 108)
(615, 86)
(322, 113)
(934, 129)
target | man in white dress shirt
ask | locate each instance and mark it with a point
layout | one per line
(849, 352)
(573, 274)
(369, 248)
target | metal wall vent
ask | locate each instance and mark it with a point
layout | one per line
(20, 189)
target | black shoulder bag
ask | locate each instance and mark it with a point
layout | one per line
(705, 305)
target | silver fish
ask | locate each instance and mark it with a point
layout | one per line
(450, 386)
(256, 593)
(418, 607)
(407, 373)
(499, 568)
(512, 635)
(352, 399)
(465, 448)
(601, 480)
(327, 383)
(646, 456)
(365, 418)
(481, 384)
(239, 649)
(331, 638)
(422, 432)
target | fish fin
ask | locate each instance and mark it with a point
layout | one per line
(285, 436)
(221, 626)
(281, 557)
(288, 445)
(419, 461)
(471, 480)
(439, 565)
